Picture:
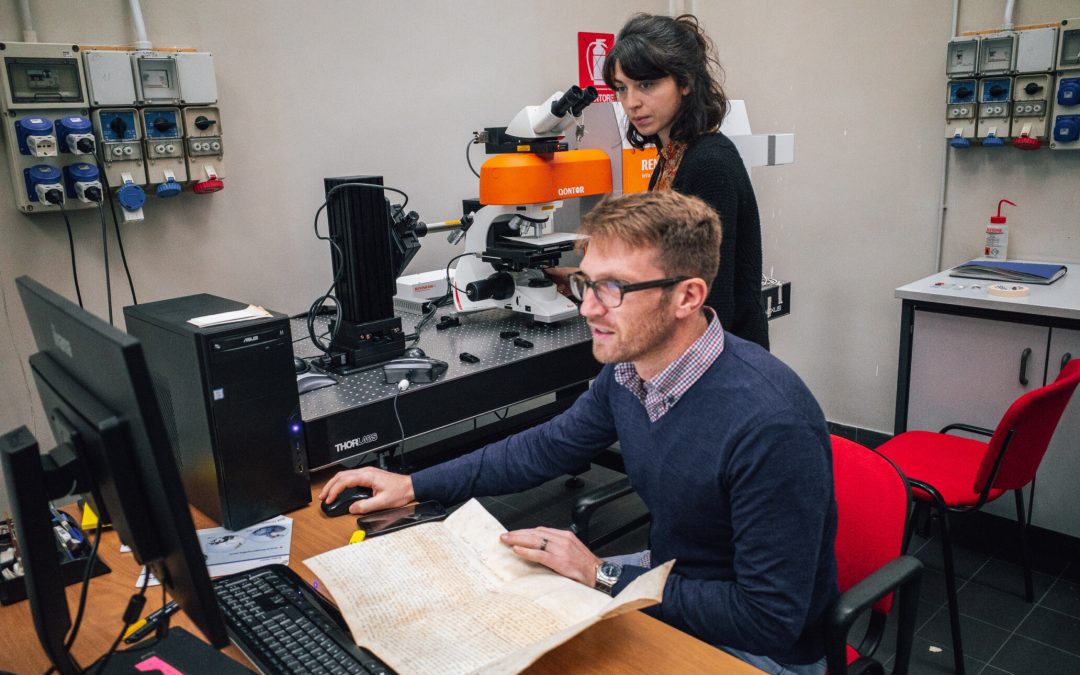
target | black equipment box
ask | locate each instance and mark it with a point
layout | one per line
(229, 398)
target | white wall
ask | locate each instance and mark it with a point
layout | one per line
(307, 90)
(862, 86)
(327, 88)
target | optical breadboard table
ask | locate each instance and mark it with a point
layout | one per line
(356, 416)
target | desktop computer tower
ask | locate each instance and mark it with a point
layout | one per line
(228, 395)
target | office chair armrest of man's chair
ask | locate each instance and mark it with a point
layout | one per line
(902, 575)
(970, 428)
(588, 503)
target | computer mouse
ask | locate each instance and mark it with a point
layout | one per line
(414, 353)
(340, 506)
(300, 365)
(306, 382)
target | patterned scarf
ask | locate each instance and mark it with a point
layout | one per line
(670, 158)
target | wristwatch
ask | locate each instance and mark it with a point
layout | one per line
(607, 575)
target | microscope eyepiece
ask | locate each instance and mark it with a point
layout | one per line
(567, 102)
(588, 96)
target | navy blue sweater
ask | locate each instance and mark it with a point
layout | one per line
(737, 477)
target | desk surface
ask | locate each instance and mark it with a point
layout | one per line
(631, 643)
(1059, 299)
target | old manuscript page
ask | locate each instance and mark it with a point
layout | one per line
(448, 597)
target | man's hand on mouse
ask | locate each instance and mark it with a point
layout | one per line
(559, 550)
(389, 490)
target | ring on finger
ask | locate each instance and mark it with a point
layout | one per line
(543, 544)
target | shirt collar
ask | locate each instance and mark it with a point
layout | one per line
(660, 393)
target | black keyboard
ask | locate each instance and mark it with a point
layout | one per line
(283, 626)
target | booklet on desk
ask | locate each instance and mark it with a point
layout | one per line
(1004, 270)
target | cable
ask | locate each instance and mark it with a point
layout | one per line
(90, 561)
(116, 226)
(131, 615)
(468, 159)
(71, 246)
(402, 385)
(105, 254)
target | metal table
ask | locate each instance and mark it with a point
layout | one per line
(357, 416)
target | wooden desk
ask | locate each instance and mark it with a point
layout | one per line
(628, 644)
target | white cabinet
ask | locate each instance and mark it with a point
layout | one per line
(1057, 485)
(967, 369)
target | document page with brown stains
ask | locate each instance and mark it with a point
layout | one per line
(448, 597)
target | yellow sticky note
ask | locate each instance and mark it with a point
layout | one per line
(357, 537)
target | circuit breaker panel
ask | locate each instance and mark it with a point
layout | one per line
(46, 126)
(1019, 87)
(79, 121)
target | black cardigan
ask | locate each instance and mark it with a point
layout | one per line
(712, 170)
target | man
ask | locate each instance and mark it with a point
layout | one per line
(724, 444)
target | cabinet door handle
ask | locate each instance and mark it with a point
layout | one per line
(1024, 356)
(1065, 358)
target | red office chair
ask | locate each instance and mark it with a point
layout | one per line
(872, 501)
(958, 475)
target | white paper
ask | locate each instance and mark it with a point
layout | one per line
(229, 552)
(449, 597)
(250, 312)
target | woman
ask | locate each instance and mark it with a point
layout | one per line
(664, 72)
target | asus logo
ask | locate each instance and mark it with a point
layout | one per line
(356, 442)
(61, 342)
(251, 338)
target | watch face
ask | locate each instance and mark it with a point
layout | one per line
(610, 569)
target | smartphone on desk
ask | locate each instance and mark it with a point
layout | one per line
(382, 522)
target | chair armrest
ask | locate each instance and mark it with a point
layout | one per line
(588, 503)
(899, 574)
(982, 431)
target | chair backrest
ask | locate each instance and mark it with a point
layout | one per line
(1032, 419)
(872, 499)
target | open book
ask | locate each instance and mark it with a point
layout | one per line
(448, 597)
(1004, 270)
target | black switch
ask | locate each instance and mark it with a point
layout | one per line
(119, 126)
(996, 90)
(1032, 88)
(963, 92)
(203, 123)
(163, 125)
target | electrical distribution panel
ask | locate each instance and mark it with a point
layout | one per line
(997, 54)
(1066, 126)
(47, 132)
(1031, 107)
(1022, 85)
(995, 103)
(79, 122)
(960, 112)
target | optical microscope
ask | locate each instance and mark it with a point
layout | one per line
(511, 235)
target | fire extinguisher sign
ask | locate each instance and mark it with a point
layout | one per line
(593, 49)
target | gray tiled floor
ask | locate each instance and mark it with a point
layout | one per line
(1002, 633)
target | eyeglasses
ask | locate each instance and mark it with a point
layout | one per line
(610, 292)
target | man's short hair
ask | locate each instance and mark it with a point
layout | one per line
(684, 230)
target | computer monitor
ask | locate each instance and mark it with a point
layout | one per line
(112, 447)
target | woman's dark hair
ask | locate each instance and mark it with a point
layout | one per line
(652, 47)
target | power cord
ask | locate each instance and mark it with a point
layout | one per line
(116, 226)
(71, 247)
(90, 562)
(468, 158)
(131, 615)
(105, 255)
